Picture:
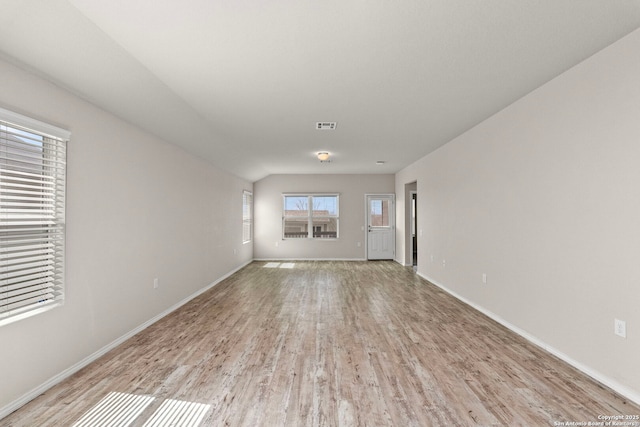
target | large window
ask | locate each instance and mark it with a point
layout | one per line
(32, 209)
(247, 216)
(310, 216)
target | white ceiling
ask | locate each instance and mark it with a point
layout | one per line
(242, 83)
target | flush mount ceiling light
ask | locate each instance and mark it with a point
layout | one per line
(380, 162)
(323, 156)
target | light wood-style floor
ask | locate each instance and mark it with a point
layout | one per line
(327, 344)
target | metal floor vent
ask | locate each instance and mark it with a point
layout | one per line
(326, 125)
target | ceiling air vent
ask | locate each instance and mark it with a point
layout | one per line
(326, 125)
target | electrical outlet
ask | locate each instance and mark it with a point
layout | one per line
(484, 277)
(620, 328)
(155, 283)
(277, 243)
(235, 252)
(444, 264)
(431, 257)
(358, 244)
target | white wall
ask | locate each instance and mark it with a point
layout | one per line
(137, 208)
(352, 190)
(544, 197)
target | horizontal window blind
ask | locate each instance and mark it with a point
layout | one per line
(247, 216)
(32, 211)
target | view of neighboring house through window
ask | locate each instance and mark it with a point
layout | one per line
(32, 210)
(310, 216)
(247, 216)
(379, 216)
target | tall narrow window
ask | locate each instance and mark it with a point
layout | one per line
(313, 216)
(32, 211)
(247, 216)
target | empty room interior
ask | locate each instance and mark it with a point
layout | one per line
(319, 213)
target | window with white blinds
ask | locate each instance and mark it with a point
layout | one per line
(247, 216)
(32, 211)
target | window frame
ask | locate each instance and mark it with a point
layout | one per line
(32, 216)
(310, 225)
(247, 216)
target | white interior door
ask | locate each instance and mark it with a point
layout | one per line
(381, 233)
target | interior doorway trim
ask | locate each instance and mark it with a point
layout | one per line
(412, 229)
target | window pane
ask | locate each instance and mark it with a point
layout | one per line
(325, 228)
(325, 205)
(32, 184)
(246, 231)
(379, 215)
(310, 216)
(247, 204)
(21, 150)
(296, 228)
(247, 200)
(296, 206)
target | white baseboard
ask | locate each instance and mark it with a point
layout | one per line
(622, 389)
(309, 259)
(30, 395)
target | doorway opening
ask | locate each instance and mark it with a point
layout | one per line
(411, 224)
(414, 227)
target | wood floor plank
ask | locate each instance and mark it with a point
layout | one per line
(332, 344)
